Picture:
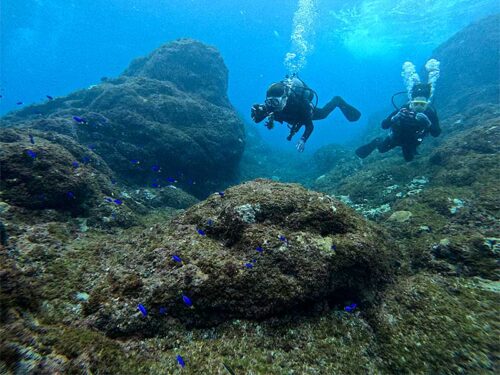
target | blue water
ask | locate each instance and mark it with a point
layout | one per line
(53, 47)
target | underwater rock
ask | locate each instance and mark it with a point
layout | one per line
(474, 256)
(18, 290)
(47, 174)
(300, 249)
(430, 324)
(400, 216)
(338, 158)
(167, 116)
(167, 196)
(192, 66)
(470, 66)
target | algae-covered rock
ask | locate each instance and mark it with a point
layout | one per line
(400, 216)
(169, 111)
(50, 171)
(434, 325)
(258, 250)
(164, 196)
(470, 66)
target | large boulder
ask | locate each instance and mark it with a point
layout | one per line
(166, 117)
(203, 73)
(261, 249)
(50, 171)
(470, 62)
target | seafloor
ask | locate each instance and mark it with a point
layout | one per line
(142, 220)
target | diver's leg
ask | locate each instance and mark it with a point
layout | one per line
(350, 113)
(387, 144)
(409, 152)
(367, 149)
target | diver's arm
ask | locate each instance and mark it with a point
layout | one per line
(302, 141)
(434, 129)
(309, 129)
(387, 123)
(259, 112)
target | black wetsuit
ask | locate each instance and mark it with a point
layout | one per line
(300, 111)
(407, 132)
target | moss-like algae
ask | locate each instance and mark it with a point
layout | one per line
(429, 325)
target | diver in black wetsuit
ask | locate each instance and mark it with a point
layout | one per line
(291, 101)
(408, 125)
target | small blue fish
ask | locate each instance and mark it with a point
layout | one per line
(19, 103)
(221, 194)
(248, 265)
(180, 361)
(176, 258)
(283, 238)
(156, 168)
(187, 300)
(163, 310)
(254, 261)
(79, 119)
(135, 161)
(334, 248)
(171, 180)
(113, 181)
(142, 309)
(49, 97)
(155, 185)
(70, 195)
(117, 201)
(75, 164)
(32, 140)
(201, 232)
(259, 249)
(86, 160)
(351, 307)
(32, 154)
(210, 222)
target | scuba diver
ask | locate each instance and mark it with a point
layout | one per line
(291, 101)
(413, 121)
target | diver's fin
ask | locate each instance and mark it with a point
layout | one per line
(367, 149)
(349, 112)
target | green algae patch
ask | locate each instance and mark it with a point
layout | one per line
(101, 354)
(429, 324)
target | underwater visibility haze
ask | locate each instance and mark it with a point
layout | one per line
(249, 187)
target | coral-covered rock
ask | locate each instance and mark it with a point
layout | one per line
(167, 116)
(258, 250)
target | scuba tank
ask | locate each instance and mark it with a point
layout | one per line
(300, 90)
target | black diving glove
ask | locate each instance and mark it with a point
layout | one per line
(422, 117)
(270, 121)
(403, 113)
(258, 112)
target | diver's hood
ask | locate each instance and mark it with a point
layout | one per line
(276, 90)
(420, 90)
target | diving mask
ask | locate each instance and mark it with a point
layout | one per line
(419, 104)
(276, 104)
